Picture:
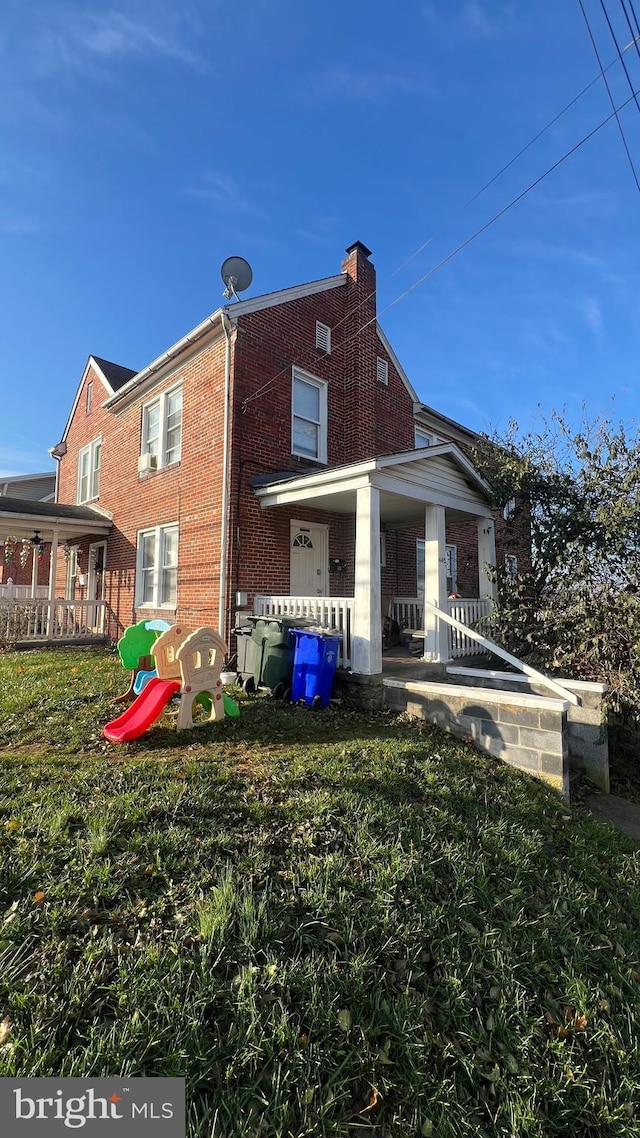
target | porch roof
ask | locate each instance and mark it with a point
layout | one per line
(408, 481)
(20, 518)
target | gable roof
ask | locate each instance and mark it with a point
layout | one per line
(115, 375)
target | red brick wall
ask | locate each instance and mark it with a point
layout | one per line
(365, 418)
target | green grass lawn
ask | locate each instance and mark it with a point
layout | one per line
(330, 923)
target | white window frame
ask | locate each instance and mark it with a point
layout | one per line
(509, 509)
(451, 554)
(511, 565)
(320, 384)
(323, 337)
(159, 535)
(92, 451)
(382, 370)
(162, 403)
(420, 433)
(72, 573)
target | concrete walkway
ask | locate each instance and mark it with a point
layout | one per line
(618, 812)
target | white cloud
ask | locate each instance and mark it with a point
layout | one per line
(14, 462)
(344, 82)
(592, 313)
(78, 40)
(222, 190)
(17, 227)
(472, 21)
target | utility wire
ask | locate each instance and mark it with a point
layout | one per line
(462, 208)
(619, 51)
(611, 99)
(630, 25)
(464, 244)
(633, 12)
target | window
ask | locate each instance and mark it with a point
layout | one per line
(72, 573)
(323, 337)
(89, 471)
(309, 416)
(89, 403)
(423, 438)
(162, 428)
(509, 509)
(511, 566)
(451, 555)
(157, 573)
(382, 370)
(383, 549)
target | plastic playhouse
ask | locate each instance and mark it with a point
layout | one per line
(187, 664)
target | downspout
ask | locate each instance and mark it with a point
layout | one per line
(226, 497)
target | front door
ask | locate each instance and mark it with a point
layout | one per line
(309, 560)
(95, 587)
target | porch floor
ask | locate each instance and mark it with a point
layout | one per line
(399, 663)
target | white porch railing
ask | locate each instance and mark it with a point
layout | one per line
(328, 612)
(47, 621)
(409, 613)
(22, 592)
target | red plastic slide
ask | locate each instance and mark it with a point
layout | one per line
(143, 711)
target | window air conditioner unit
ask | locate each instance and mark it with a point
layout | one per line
(147, 462)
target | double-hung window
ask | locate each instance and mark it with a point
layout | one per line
(162, 428)
(89, 471)
(157, 576)
(308, 416)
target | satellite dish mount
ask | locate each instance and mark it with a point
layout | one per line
(237, 276)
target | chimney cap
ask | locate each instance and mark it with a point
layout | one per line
(359, 247)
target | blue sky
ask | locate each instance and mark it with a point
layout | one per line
(141, 143)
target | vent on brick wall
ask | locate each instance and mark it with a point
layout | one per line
(323, 337)
(382, 370)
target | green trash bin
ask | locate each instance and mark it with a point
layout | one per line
(275, 650)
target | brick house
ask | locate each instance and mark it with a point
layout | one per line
(277, 454)
(24, 564)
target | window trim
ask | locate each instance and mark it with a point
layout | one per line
(511, 565)
(159, 534)
(93, 472)
(418, 430)
(161, 401)
(451, 550)
(322, 386)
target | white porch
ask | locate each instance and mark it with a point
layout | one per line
(338, 613)
(424, 488)
(36, 613)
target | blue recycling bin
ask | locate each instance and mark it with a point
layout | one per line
(314, 666)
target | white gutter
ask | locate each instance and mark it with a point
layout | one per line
(226, 497)
(165, 358)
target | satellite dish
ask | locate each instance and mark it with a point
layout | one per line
(237, 276)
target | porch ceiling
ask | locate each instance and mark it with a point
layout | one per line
(407, 483)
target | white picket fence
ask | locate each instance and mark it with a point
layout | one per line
(46, 621)
(409, 613)
(327, 612)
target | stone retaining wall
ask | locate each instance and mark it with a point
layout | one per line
(525, 730)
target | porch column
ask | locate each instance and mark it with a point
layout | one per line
(436, 640)
(366, 641)
(53, 565)
(486, 557)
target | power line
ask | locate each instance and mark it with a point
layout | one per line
(620, 54)
(464, 244)
(611, 99)
(633, 11)
(627, 18)
(458, 213)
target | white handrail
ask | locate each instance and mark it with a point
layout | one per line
(328, 612)
(29, 620)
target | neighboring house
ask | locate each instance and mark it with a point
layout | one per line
(19, 559)
(277, 451)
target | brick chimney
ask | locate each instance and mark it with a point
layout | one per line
(360, 354)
